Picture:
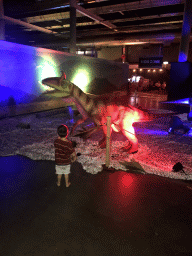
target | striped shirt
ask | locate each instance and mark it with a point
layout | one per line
(63, 150)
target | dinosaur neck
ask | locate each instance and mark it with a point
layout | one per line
(82, 100)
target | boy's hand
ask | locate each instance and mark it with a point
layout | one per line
(73, 157)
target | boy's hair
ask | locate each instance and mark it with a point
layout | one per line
(62, 131)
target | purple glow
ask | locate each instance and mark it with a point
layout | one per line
(181, 101)
(182, 57)
(151, 132)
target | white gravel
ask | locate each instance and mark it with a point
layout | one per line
(157, 153)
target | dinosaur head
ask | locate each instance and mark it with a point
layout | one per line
(60, 85)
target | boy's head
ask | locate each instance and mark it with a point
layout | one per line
(63, 131)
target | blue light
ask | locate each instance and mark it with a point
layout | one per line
(71, 114)
(17, 77)
(182, 57)
(22, 68)
(151, 132)
(59, 7)
(176, 123)
(181, 101)
(190, 133)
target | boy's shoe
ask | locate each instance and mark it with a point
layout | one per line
(68, 185)
(58, 184)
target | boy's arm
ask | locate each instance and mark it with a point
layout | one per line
(73, 157)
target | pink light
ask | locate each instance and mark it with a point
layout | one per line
(67, 130)
(126, 181)
(122, 119)
(119, 187)
(115, 128)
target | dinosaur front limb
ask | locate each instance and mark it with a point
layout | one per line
(90, 132)
(80, 121)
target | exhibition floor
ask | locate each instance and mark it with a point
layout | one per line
(103, 214)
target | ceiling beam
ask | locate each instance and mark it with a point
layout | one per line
(95, 17)
(131, 6)
(15, 8)
(28, 25)
(113, 40)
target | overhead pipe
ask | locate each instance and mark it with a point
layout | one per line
(95, 17)
(158, 38)
(110, 40)
(28, 25)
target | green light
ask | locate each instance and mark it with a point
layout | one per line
(81, 79)
(46, 68)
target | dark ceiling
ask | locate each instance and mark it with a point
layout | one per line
(46, 23)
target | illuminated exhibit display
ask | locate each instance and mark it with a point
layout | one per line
(24, 67)
(81, 78)
(95, 76)
(122, 115)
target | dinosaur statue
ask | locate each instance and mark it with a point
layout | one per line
(98, 108)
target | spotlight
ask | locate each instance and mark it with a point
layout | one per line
(175, 124)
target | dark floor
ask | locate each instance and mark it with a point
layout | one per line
(104, 214)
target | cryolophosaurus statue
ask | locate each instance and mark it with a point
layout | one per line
(122, 114)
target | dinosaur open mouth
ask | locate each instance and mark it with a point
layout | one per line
(49, 90)
(50, 85)
(51, 81)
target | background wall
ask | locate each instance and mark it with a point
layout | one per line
(170, 52)
(144, 50)
(110, 53)
(22, 69)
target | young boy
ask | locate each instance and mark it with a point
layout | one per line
(64, 155)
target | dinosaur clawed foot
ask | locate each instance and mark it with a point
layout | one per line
(85, 134)
(130, 149)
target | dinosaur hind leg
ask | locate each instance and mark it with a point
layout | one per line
(129, 133)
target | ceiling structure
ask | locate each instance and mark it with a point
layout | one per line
(46, 23)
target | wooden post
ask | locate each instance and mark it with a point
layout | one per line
(108, 141)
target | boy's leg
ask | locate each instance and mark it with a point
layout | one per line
(67, 183)
(59, 179)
